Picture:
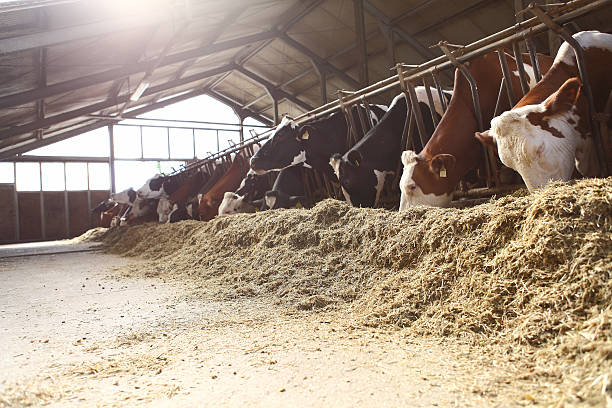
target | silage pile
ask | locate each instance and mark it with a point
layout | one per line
(524, 269)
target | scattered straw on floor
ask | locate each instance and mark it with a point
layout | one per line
(522, 271)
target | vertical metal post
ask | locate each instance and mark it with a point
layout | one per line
(361, 41)
(275, 106)
(218, 147)
(521, 68)
(432, 105)
(439, 88)
(43, 226)
(141, 143)
(168, 140)
(506, 76)
(88, 198)
(111, 159)
(66, 205)
(16, 201)
(531, 49)
(241, 128)
(411, 96)
(323, 80)
(193, 142)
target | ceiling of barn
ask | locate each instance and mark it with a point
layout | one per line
(66, 66)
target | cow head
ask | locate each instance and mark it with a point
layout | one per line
(208, 208)
(253, 186)
(152, 188)
(164, 208)
(284, 149)
(361, 184)
(426, 181)
(541, 141)
(233, 204)
(125, 197)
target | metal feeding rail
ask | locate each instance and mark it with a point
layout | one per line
(408, 75)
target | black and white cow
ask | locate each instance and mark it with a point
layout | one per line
(288, 190)
(362, 170)
(310, 145)
(127, 196)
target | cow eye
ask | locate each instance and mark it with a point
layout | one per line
(412, 187)
(235, 196)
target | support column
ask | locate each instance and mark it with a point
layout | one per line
(361, 42)
(387, 32)
(322, 73)
(111, 158)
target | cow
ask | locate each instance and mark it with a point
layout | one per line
(127, 196)
(153, 187)
(186, 192)
(252, 188)
(548, 132)
(288, 190)
(431, 176)
(209, 202)
(107, 216)
(142, 210)
(362, 170)
(310, 145)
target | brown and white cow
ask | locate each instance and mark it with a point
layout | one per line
(209, 202)
(430, 177)
(548, 132)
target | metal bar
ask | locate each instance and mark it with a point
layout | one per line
(43, 220)
(275, 108)
(586, 85)
(531, 49)
(45, 159)
(411, 96)
(140, 67)
(521, 67)
(368, 111)
(89, 207)
(362, 121)
(361, 41)
(168, 140)
(432, 105)
(16, 201)
(111, 158)
(439, 89)
(193, 143)
(506, 77)
(66, 205)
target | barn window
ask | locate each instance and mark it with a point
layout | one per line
(154, 142)
(181, 143)
(28, 176)
(76, 176)
(53, 176)
(7, 173)
(99, 177)
(127, 142)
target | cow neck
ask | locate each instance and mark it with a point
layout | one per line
(381, 146)
(455, 132)
(327, 139)
(549, 84)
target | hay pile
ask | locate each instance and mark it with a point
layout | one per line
(524, 270)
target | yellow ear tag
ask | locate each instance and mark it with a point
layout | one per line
(305, 135)
(443, 172)
(298, 205)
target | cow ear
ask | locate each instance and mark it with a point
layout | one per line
(441, 163)
(565, 98)
(485, 138)
(303, 133)
(354, 157)
(409, 157)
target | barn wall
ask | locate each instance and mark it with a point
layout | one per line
(29, 204)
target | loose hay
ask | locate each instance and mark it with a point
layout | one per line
(529, 271)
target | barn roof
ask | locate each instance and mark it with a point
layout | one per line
(68, 66)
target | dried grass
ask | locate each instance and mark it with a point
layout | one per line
(524, 272)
